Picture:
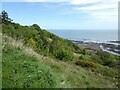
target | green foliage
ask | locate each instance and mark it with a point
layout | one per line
(41, 40)
(36, 27)
(16, 25)
(49, 44)
(75, 47)
(4, 17)
(103, 58)
(106, 71)
(22, 71)
(61, 50)
(84, 52)
(63, 54)
(81, 57)
(32, 42)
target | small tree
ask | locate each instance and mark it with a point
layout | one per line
(84, 52)
(4, 17)
(36, 27)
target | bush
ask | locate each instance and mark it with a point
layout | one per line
(16, 25)
(81, 57)
(35, 26)
(32, 42)
(86, 64)
(103, 58)
(63, 54)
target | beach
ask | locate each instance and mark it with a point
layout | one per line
(110, 47)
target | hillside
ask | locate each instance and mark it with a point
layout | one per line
(35, 58)
(24, 68)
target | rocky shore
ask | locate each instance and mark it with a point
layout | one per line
(110, 46)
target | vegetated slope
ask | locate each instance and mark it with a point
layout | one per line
(22, 69)
(34, 57)
(42, 41)
(51, 45)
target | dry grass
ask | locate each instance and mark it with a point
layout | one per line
(20, 44)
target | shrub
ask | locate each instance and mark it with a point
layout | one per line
(32, 42)
(76, 48)
(35, 26)
(63, 54)
(81, 57)
(16, 25)
(86, 64)
(103, 58)
(84, 52)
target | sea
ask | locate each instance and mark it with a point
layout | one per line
(99, 36)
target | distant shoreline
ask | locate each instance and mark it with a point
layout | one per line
(112, 47)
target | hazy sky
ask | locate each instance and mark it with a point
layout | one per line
(64, 14)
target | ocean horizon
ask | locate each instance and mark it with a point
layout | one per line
(88, 35)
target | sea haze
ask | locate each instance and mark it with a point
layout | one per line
(88, 35)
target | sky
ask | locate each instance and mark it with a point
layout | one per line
(64, 14)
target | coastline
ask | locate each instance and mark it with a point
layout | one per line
(112, 47)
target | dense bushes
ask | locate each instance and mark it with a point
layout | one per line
(36, 27)
(62, 54)
(49, 44)
(75, 47)
(103, 58)
(41, 40)
(86, 64)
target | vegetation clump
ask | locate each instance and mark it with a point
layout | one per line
(88, 64)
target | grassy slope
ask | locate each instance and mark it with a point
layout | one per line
(24, 69)
(33, 57)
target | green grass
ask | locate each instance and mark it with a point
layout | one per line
(23, 70)
(20, 70)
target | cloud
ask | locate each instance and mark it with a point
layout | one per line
(77, 2)
(45, 0)
(36, 0)
(101, 5)
(98, 9)
(104, 15)
(106, 10)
